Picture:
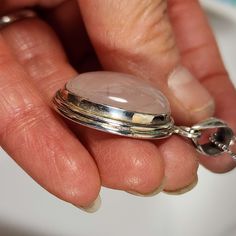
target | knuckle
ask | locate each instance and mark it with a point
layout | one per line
(22, 120)
(29, 47)
(39, 55)
(146, 29)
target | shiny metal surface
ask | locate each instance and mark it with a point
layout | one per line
(142, 125)
(219, 141)
(19, 15)
(111, 119)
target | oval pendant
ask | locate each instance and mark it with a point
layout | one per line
(116, 103)
(122, 104)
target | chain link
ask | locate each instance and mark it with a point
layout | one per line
(219, 142)
(187, 132)
(225, 148)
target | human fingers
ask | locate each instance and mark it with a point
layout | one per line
(124, 163)
(38, 141)
(64, 16)
(201, 55)
(136, 37)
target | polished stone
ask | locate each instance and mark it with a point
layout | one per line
(120, 91)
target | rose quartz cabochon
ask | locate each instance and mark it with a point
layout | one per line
(119, 90)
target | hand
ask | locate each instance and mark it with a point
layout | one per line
(135, 37)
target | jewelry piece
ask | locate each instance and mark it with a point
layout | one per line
(16, 16)
(124, 105)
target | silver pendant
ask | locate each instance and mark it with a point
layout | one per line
(127, 106)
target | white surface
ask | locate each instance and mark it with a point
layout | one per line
(220, 8)
(209, 210)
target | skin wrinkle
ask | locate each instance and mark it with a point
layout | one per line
(10, 83)
(48, 152)
(35, 64)
(148, 9)
(31, 53)
(52, 161)
(25, 136)
(106, 157)
(16, 104)
(135, 30)
(23, 119)
(56, 164)
(28, 50)
(14, 114)
(157, 14)
(158, 26)
(131, 56)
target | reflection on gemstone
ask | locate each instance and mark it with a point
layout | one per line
(118, 99)
(119, 90)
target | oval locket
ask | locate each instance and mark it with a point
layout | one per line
(117, 104)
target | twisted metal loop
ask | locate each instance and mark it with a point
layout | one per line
(225, 148)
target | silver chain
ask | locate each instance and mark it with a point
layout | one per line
(225, 148)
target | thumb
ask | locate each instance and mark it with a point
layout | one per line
(136, 37)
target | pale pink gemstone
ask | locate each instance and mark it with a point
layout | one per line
(119, 90)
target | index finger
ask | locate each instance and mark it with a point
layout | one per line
(39, 142)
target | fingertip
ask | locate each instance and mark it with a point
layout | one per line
(83, 196)
(181, 163)
(143, 167)
(93, 207)
(127, 164)
(189, 96)
(81, 182)
(183, 190)
(219, 165)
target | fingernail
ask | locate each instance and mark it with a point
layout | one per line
(152, 194)
(183, 190)
(92, 207)
(191, 94)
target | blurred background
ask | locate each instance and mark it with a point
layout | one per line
(209, 210)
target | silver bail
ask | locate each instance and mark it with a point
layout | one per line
(211, 137)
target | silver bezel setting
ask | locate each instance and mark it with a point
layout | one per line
(112, 119)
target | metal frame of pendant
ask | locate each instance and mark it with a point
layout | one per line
(142, 125)
(112, 119)
(16, 16)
